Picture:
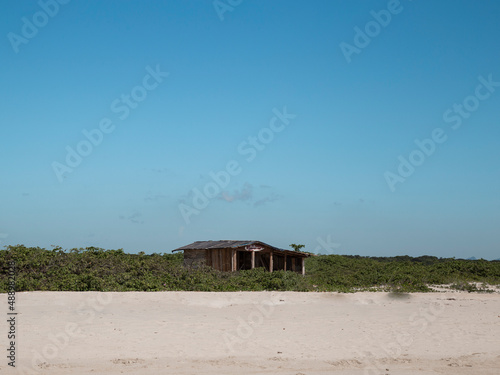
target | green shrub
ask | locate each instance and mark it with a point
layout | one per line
(95, 269)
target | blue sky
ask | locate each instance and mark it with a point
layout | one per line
(307, 111)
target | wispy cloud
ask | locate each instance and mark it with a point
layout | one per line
(248, 193)
(271, 198)
(134, 218)
(244, 194)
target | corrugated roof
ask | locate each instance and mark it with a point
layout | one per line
(215, 245)
(225, 244)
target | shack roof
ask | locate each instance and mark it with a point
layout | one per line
(227, 244)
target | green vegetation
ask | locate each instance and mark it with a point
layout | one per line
(296, 247)
(400, 274)
(95, 269)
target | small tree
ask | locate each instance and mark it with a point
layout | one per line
(297, 247)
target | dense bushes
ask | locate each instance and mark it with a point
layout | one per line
(402, 273)
(94, 269)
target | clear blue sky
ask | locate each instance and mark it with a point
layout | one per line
(170, 91)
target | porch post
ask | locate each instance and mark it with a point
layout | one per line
(303, 266)
(285, 262)
(271, 262)
(253, 259)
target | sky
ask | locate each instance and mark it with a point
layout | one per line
(352, 127)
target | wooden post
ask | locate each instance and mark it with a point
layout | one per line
(253, 259)
(285, 263)
(303, 266)
(233, 260)
(271, 261)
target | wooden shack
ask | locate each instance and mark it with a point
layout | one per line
(242, 255)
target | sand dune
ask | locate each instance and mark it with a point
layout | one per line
(256, 333)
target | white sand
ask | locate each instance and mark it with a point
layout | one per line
(255, 333)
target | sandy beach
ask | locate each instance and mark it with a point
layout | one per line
(254, 333)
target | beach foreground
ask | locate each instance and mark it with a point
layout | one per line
(254, 333)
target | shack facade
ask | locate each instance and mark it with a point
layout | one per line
(230, 256)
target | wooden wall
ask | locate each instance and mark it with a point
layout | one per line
(220, 259)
